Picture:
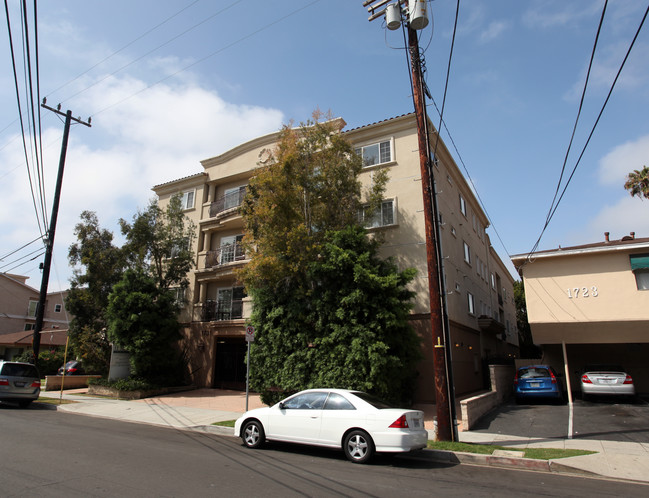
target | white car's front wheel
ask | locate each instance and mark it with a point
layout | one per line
(358, 446)
(252, 434)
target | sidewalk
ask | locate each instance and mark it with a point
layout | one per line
(198, 409)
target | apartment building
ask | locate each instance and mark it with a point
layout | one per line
(18, 302)
(594, 300)
(478, 285)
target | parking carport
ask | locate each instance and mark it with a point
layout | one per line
(590, 304)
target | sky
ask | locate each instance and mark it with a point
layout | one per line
(169, 83)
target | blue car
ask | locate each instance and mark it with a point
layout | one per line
(537, 382)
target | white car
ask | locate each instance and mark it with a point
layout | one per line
(355, 421)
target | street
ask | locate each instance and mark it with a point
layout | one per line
(50, 453)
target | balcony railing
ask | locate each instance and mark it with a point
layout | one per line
(218, 311)
(227, 202)
(224, 254)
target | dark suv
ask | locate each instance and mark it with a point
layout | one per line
(19, 382)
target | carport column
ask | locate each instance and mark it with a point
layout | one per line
(567, 371)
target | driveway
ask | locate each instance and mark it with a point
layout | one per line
(599, 419)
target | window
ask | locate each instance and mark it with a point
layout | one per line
(233, 197)
(187, 199)
(381, 218)
(57, 308)
(306, 401)
(179, 295)
(337, 402)
(376, 153)
(467, 253)
(470, 303)
(180, 246)
(231, 249)
(462, 205)
(31, 311)
(30, 326)
(229, 303)
(640, 268)
(493, 281)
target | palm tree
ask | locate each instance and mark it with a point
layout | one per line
(637, 183)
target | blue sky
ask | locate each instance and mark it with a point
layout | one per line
(169, 83)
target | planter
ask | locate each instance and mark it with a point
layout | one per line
(111, 392)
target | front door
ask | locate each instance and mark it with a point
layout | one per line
(230, 368)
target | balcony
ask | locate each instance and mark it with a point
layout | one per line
(489, 324)
(228, 202)
(226, 254)
(218, 311)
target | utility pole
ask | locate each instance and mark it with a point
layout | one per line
(444, 391)
(49, 241)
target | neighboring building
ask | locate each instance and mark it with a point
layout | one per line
(480, 289)
(594, 299)
(18, 302)
(12, 345)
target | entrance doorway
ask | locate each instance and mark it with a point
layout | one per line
(230, 368)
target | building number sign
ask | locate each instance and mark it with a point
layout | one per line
(578, 292)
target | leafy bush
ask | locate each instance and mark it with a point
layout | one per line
(130, 384)
(48, 361)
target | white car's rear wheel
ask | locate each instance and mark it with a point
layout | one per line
(358, 446)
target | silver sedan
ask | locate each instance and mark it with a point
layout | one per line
(606, 380)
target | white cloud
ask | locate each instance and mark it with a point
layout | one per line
(149, 138)
(493, 31)
(544, 14)
(617, 164)
(621, 218)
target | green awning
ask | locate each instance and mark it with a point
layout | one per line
(639, 261)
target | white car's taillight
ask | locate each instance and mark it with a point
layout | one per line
(400, 423)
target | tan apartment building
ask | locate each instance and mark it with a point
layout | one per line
(479, 287)
(594, 299)
(18, 302)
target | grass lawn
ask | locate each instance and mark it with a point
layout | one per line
(485, 449)
(225, 423)
(488, 449)
(53, 401)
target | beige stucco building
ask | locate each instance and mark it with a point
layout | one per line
(479, 287)
(594, 299)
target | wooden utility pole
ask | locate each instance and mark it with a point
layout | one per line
(49, 241)
(444, 393)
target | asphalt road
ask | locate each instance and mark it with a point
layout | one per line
(48, 453)
(602, 419)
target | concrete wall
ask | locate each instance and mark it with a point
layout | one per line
(473, 409)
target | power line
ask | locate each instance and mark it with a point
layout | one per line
(41, 225)
(124, 47)
(574, 129)
(203, 59)
(592, 131)
(152, 50)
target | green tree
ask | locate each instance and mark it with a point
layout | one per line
(98, 264)
(159, 242)
(327, 310)
(142, 318)
(525, 342)
(309, 184)
(637, 183)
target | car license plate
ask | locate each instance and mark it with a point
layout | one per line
(19, 384)
(416, 423)
(607, 381)
(535, 384)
